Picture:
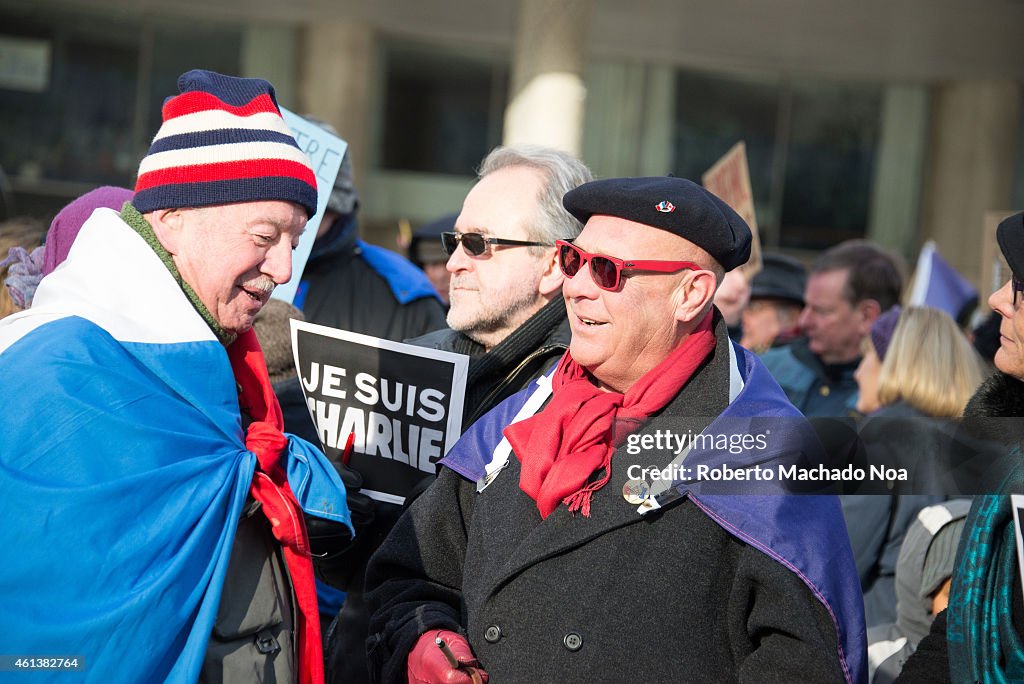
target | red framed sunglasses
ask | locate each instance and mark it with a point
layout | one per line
(606, 271)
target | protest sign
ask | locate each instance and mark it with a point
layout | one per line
(399, 404)
(729, 179)
(326, 152)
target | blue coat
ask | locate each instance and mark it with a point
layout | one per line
(123, 471)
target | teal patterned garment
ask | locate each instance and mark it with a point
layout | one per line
(983, 644)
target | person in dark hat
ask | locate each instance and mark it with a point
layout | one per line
(157, 508)
(543, 553)
(427, 251)
(771, 317)
(980, 637)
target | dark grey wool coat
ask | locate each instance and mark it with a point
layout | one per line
(665, 597)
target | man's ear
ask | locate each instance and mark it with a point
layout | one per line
(694, 299)
(167, 224)
(551, 277)
(869, 310)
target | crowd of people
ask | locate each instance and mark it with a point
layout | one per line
(176, 518)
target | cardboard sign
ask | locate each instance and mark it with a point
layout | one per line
(401, 405)
(729, 179)
(326, 152)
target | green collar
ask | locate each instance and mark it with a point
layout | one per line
(138, 223)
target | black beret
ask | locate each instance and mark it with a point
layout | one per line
(674, 204)
(1010, 235)
(780, 277)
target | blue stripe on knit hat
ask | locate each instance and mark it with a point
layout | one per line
(211, 193)
(232, 90)
(222, 136)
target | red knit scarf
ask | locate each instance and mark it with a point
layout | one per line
(576, 434)
(270, 487)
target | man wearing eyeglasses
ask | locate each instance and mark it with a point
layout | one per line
(560, 544)
(506, 309)
(506, 314)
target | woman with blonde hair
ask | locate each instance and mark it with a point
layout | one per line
(929, 365)
(918, 368)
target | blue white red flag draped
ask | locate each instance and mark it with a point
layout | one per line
(123, 467)
(805, 533)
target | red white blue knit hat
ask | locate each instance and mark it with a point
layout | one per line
(223, 141)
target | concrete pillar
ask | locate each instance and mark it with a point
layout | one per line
(271, 52)
(547, 93)
(337, 67)
(896, 195)
(973, 151)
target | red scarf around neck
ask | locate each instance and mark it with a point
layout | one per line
(575, 435)
(270, 487)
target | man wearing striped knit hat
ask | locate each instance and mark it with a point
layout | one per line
(154, 511)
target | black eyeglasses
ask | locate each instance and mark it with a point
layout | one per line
(1018, 289)
(477, 245)
(606, 271)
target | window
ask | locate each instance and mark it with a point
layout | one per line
(442, 111)
(91, 120)
(811, 148)
(830, 161)
(713, 113)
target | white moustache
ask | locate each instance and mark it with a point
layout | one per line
(263, 284)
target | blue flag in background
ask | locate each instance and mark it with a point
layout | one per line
(939, 285)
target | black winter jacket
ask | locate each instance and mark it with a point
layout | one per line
(668, 597)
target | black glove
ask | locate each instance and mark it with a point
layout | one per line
(334, 550)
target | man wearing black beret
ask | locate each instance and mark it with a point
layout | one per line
(560, 544)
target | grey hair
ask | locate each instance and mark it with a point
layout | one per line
(562, 172)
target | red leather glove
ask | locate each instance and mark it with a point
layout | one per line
(428, 664)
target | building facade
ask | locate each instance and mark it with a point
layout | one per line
(897, 121)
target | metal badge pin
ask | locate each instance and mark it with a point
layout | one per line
(636, 492)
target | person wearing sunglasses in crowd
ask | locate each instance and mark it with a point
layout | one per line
(541, 553)
(506, 314)
(505, 291)
(980, 636)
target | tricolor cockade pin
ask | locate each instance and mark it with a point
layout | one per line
(665, 207)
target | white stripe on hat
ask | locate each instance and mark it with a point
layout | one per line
(213, 154)
(216, 119)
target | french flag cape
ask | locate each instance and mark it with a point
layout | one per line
(123, 467)
(805, 533)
